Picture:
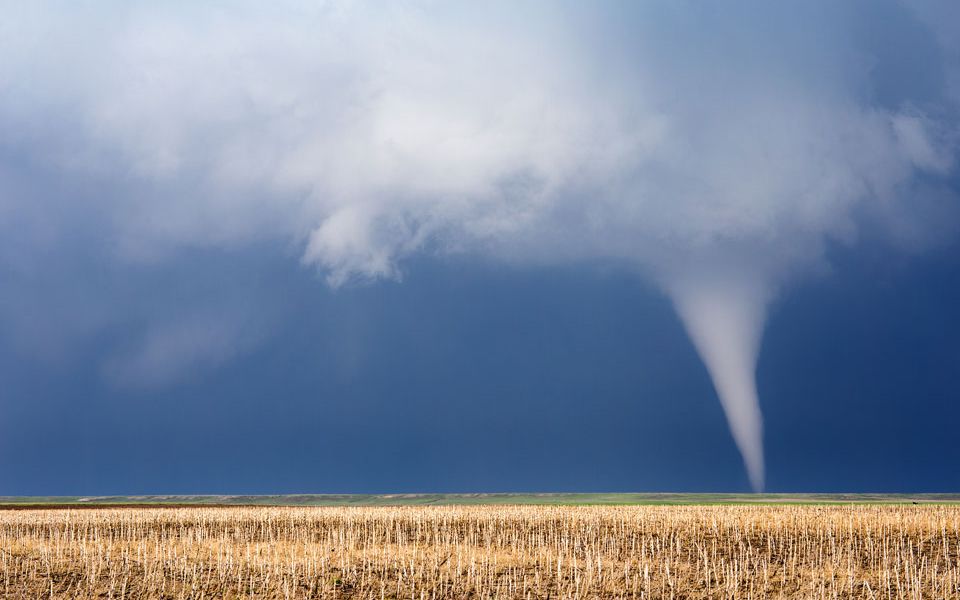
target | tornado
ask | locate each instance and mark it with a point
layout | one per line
(724, 318)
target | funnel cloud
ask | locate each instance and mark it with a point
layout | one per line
(724, 318)
(718, 150)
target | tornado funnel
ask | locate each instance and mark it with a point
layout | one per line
(724, 319)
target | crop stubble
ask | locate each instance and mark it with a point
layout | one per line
(900, 551)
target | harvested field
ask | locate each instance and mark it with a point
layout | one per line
(900, 551)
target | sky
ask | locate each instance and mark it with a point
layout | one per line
(435, 247)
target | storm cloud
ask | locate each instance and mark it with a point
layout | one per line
(717, 149)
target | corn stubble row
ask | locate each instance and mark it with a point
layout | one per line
(483, 552)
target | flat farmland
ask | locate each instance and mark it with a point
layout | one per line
(478, 551)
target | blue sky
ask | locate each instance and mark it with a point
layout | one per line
(573, 379)
(651, 246)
